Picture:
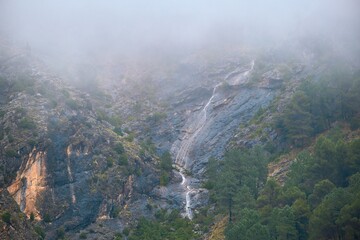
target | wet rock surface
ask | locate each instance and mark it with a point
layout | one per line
(199, 125)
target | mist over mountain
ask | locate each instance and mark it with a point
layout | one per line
(210, 120)
(85, 29)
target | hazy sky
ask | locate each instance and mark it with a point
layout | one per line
(75, 26)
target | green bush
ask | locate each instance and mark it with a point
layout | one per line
(115, 121)
(148, 145)
(156, 117)
(118, 131)
(47, 218)
(23, 83)
(11, 138)
(130, 137)
(60, 233)
(82, 235)
(126, 231)
(11, 153)
(115, 212)
(40, 232)
(101, 115)
(119, 148)
(32, 217)
(123, 160)
(20, 111)
(72, 104)
(118, 236)
(6, 217)
(164, 178)
(109, 162)
(165, 168)
(53, 103)
(166, 162)
(27, 123)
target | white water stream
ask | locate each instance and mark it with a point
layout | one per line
(182, 156)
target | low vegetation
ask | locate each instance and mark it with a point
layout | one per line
(165, 168)
(168, 225)
(27, 123)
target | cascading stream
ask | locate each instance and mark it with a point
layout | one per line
(183, 154)
(182, 157)
(186, 143)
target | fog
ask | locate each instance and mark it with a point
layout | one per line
(83, 28)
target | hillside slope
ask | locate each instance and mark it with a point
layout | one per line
(60, 161)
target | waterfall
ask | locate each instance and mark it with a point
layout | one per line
(182, 156)
(71, 179)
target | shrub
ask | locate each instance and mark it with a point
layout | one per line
(31, 142)
(166, 162)
(47, 218)
(53, 103)
(119, 148)
(60, 233)
(11, 153)
(115, 212)
(123, 160)
(40, 232)
(101, 115)
(6, 217)
(11, 138)
(126, 231)
(109, 162)
(130, 137)
(27, 123)
(118, 131)
(115, 121)
(22, 83)
(32, 217)
(72, 104)
(82, 235)
(156, 117)
(164, 178)
(118, 236)
(149, 206)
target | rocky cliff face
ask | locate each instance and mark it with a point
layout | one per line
(61, 164)
(30, 183)
(203, 122)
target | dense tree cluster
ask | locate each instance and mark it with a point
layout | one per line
(319, 103)
(320, 200)
(235, 182)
